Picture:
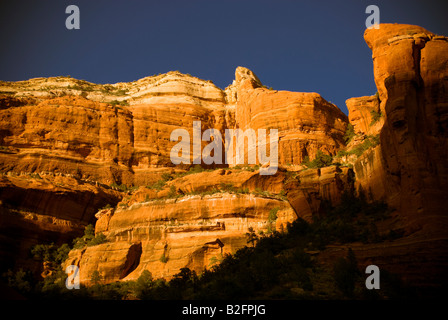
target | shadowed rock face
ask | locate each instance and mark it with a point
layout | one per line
(44, 209)
(132, 259)
(411, 73)
(409, 167)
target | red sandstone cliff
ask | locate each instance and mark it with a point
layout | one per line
(112, 135)
(408, 169)
(82, 138)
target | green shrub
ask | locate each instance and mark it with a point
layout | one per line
(122, 187)
(273, 214)
(121, 92)
(96, 278)
(159, 185)
(163, 258)
(51, 252)
(173, 192)
(346, 273)
(272, 218)
(251, 236)
(321, 160)
(107, 206)
(20, 280)
(375, 116)
(369, 142)
(98, 239)
(89, 238)
(377, 96)
(119, 103)
(144, 285)
(349, 133)
(198, 168)
(167, 177)
(342, 153)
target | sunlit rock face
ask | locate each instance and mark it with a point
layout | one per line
(305, 122)
(67, 145)
(120, 134)
(192, 232)
(408, 169)
(411, 74)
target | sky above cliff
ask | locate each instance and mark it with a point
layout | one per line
(309, 46)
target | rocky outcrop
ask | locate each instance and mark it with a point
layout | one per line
(309, 190)
(210, 219)
(177, 233)
(408, 169)
(107, 133)
(43, 209)
(90, 137)
(119, 133)
(411, 74)
(305, 122)
(365, 115)
(68, 135)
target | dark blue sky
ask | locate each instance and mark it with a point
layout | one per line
(291, 45)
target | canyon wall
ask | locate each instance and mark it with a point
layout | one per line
(409, 168)
(78, 129)
(42, 209)
(74, 153)
(70, 134)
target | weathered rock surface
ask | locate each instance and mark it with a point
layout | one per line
(308, 189)
(408, 169)
(362, 112)
(95, 135)
(44, 209)
(177, 233)
(305, 122)
(411, 73)
(182, 232)
(68, 135)
(119, 133)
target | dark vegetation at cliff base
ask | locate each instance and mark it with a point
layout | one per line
(281, 265)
